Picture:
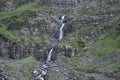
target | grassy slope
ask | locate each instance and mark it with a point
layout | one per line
(20, 69)
(33, 7)
(100, 49)
(19, 16)
(8, 35)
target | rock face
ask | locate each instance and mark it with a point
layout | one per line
(59, 4)
(6, 5)
(66, 50)
(10, 5)
(92, 15)
(16, 51)
(2, 72)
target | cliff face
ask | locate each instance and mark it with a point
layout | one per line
(59, 4)
(91, 36)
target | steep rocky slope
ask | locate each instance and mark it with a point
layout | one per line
(90, 49)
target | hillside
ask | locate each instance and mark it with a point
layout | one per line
(89, 49)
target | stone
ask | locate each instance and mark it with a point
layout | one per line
(92, 78)
(2, 72)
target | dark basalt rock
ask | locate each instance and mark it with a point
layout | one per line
(15, 50)
(66, 50)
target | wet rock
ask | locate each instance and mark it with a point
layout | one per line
(91, 78)
(40, 72)
(86, 48)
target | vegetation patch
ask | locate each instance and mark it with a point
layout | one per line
(21, 69)
(53, 75)
(6, 35)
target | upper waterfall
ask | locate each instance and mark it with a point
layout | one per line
(61, 28)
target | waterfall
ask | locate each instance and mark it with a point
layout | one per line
(62, 18)
(49, 55)
(61, 28)
(42, 72)
(61, 31)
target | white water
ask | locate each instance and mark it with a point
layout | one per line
(49, 55)
(62, 18)
(45, 66)
(61, 31)
(61, 28)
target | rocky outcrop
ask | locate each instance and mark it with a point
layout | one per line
(89, 21)
(4, 75)
(16, 50)
(10, 5)
(59, 4)
(6, 5)
(66, 50)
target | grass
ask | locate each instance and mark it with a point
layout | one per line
(99, 49)
(27, 66)
(79, 62)
(53, 75)
(79, 40)
(31, 7)
(8, 35)
(106, 46)
(85, 11)
(17, 19)
(42, 38)
(21, 69)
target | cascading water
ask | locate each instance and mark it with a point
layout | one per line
(41, 73)
(61, 31)
(61, 28)
(49, 55)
